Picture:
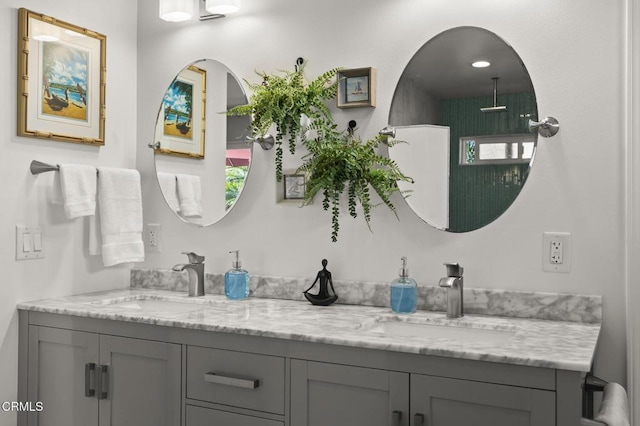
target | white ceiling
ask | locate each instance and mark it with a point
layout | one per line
(443, 65)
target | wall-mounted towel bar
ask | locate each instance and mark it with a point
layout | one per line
(38, 167)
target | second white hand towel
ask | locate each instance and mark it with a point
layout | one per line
(120, 204)
(78, 186)
(190, 195)
(169, 190)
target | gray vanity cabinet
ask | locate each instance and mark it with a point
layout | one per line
(57, 360)
(171, 376)
(340, 395)
(337, 395)
(89, 379)
(438, 401)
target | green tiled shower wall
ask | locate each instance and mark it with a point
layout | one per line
(479, 194)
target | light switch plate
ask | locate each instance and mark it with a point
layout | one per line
(29, 242)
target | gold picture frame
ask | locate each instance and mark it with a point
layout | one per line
(357, 88)
(61, 80)
(181, 127)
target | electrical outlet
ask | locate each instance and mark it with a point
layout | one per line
(154, 237)
(556, 250)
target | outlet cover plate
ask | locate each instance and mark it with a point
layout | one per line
(556, 252)
(153, 237)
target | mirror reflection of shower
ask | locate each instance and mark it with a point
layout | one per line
(495, 107)
(469, 148)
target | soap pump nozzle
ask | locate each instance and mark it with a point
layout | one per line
(236, 264)
(404, 271)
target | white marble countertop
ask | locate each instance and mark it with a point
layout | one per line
(531, 342)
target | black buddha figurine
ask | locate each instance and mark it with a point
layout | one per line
(324, 296)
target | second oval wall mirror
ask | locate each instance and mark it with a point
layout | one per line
(202, 157)
(463, 104)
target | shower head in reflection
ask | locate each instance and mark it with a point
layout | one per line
(495, 107)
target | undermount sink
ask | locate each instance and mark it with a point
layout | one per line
(415, 329)
(158, 305)
(166, 305)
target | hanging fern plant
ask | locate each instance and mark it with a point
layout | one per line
(281, 100)
(339, 163)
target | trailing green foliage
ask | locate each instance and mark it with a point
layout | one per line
(337, 163)
(281, 100)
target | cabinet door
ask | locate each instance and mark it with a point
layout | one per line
(437, 401)
(57, 360)
(339, 395)
(142, 383)
(198, 416)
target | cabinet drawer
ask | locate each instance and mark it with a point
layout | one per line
(198, 416)
(238, 379)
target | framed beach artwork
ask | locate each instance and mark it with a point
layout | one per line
(61, 80)
(181, 121)
(357, 88)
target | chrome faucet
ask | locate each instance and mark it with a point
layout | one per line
(195, 269)
(453, 282)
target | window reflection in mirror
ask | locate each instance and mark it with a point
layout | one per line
(453, 116)
(201, 184)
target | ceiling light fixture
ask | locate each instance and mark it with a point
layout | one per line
(176, 10)
(481, 64)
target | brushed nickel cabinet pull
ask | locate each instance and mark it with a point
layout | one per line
(238, 382)
(103, 381)
(89, 378)
(396, 416)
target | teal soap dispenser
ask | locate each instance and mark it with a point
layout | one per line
(236, 280)
(404, 291)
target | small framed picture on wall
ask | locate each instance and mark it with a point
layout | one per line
(294, 186)
(357, 88)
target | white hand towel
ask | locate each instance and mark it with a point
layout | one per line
(78, 187)
(169, 189)
(120, 203)
(190, 195)
(56, 190)
(614, 410)
(95, 237)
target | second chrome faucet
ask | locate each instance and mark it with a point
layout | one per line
(195, 269)
(454, 284)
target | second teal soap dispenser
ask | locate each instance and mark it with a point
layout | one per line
(236, 280)
(404, 291)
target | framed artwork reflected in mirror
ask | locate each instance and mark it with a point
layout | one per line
(183, 115)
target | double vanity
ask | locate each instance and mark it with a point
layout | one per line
(149, 356)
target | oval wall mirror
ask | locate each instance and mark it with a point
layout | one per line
(202, 157)
(463, 104)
